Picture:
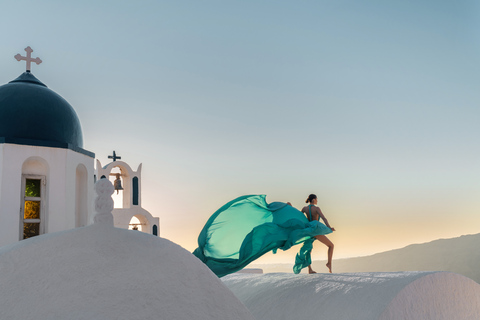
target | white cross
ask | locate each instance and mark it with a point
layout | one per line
(28, 58)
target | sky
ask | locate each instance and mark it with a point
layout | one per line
(371, 105)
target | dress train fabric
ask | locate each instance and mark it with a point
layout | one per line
(246, 228)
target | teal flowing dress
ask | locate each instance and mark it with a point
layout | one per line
(246, 228)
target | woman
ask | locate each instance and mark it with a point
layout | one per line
(247, 227)
(314, 213)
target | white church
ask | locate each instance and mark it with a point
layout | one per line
(46, 175)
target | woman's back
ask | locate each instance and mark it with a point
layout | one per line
(312, 212)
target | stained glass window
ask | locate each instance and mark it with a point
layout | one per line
(32, 210)
(31, 230)
(32, 188)
(32, 207)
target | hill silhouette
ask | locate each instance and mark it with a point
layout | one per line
(459, 255)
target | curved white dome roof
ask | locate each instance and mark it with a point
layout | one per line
(101, 272)
(359, 296)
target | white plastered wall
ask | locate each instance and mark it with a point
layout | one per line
(123, 216)
(127, 176)
(1, 173)
(59, 166)
(81, 196)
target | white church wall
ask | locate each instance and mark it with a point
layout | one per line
(59, 166)
(55, 187)
(10, 197)
(122, 218)
(127, 175)
(74, 159)
(132, 204)
(81, 196)
(1, 174)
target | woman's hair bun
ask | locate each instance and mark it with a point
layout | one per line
(310, 198)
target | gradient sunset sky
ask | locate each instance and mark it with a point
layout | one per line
(372, 105)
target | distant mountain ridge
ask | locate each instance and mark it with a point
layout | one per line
(459, 255)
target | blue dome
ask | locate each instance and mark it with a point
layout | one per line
(32, 114)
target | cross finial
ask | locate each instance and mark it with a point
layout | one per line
(28, 58)
(114, 157)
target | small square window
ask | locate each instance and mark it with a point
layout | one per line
(31, 230)
(32, 188)
(32, 210)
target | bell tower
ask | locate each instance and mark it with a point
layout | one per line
(128, 182)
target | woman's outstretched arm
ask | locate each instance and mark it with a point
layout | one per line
(325, 219)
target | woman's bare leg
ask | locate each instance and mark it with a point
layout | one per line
(310, 270)
(323, 239)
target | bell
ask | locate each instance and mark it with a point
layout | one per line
(117, 184)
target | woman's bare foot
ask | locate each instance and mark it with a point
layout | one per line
(329, 266)
(311, 271)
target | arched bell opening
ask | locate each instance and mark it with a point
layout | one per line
(139, 222)
(118, 177)
(135, 224)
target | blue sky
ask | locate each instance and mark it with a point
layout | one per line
(372, 105)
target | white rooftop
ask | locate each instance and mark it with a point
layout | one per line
(101, 272)
(358, 296)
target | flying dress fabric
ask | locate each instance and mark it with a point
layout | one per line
(246, 228)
